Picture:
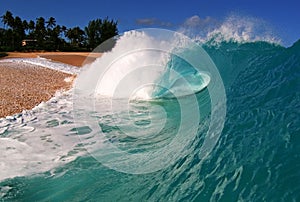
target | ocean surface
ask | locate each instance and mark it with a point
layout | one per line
(155, 149)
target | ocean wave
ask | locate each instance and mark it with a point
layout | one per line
(234, 28)
(255, 159)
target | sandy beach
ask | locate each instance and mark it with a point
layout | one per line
(72, 58)
(23, 86)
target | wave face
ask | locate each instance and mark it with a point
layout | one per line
(256, 157)
(178, 72)
(148, 62)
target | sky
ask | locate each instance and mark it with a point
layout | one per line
(280, 18)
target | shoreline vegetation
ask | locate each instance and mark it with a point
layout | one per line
(2, 54)
(46, 35)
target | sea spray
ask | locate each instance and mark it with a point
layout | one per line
(147, 61)
(150, 68)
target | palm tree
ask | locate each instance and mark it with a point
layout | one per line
(19, 31)
(8, 19)
(93, 33)
(64, 30)
(25, 25)
(31, 27)
(40, 30)
(99, 31)
(2, 36)
(54, 37)
(51, 36)
(51, 22)
(108, 29)
(76, 36)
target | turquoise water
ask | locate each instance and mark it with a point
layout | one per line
(255, 159)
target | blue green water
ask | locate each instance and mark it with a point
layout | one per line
(257, 157)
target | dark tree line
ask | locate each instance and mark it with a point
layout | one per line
(43, 34)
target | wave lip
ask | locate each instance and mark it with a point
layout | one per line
(145, 65)
(184, 85)
(128, 71)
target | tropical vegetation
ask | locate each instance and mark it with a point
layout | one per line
(46, 34)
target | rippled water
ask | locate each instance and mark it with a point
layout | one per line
(255, 159)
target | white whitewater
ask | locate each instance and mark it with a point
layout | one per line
(43, 62)
(40, 139)
(139, 65)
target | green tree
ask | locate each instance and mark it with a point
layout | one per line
(2, 37)
(93, 33)
(40, 31)
(64, 31)
(99, 31)
(108, 29)
(51, 22)
(50, 36)
(8, 19)
(55, 39)
(31, 28)
(76, 36)
(18, 31)
(25, 25)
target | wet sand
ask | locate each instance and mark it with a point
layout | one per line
(23, 86)
(73, 58)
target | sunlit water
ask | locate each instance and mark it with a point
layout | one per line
(46, 156)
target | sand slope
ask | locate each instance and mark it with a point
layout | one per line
(72, 58)
(23, 86)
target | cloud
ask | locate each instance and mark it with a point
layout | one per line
(193, 21)
(146, 21)
(196, 26)
(153, 22)
(197, 22)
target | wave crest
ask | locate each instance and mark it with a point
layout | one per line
(234, 28)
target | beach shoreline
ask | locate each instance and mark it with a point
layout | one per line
(24, 86)
(77, 59)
